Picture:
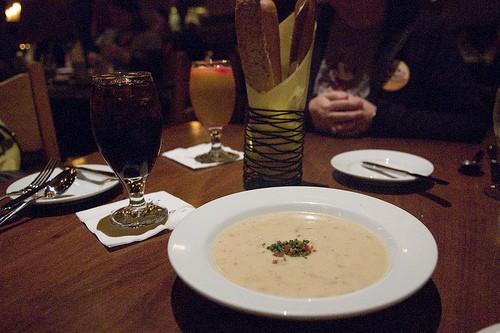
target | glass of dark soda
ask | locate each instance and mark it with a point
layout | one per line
(127, 127)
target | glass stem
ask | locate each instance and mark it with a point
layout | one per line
(215, 138)
(135, 188)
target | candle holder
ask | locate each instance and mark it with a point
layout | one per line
(274, 144)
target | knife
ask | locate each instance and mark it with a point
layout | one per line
(99, 172)
(494, 166)
(417, 175)
(20, 199)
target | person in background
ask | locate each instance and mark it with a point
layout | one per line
(388, 68)
(128, 43)
(10, 63)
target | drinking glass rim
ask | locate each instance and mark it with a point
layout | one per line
(130, 77)
(211, 62)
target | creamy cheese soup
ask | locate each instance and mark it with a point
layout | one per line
(345, 257)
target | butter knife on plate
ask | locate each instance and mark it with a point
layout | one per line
(374, 166)
(96, 171)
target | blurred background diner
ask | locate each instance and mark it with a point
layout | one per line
(74, 39)
(388, 69)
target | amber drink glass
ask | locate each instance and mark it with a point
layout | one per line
(212, 92)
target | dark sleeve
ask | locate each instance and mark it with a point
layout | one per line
(441, 101)
(147, 54)
(324, 16)
(149, 60)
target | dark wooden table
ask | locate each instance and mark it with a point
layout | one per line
(56, 276)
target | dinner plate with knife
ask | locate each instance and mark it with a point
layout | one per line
(88, 183)
(384, 166)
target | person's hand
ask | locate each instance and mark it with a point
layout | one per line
(340, 113)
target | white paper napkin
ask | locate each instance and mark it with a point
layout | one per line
(177, 210)
(185, 156)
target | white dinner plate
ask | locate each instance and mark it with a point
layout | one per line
(80, 189)
(412, 251)
(350, 163)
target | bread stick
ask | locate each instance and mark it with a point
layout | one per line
(303, 32)
(257, 32)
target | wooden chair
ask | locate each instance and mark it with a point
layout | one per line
(180, 110)
(25, 109)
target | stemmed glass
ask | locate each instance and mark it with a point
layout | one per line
(212, 92)
(127, 127)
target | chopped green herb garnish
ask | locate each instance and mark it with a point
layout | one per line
(292, 248)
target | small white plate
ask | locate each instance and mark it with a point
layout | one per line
(79, 190)
(350, 163)
(495, 328)
(412, 251)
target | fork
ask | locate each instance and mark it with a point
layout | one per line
(39, 180)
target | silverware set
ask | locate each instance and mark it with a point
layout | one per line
(493, 190)
(39, 180)
(40, 186)
(43, 186)
(473, 168)
(51, 188)
(468, 167)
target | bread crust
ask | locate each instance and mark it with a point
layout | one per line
(257, 32)
(303, 32)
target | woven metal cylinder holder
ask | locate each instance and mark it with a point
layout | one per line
(274, 145)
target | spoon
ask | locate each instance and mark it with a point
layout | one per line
(472, 167)
(56, 186)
